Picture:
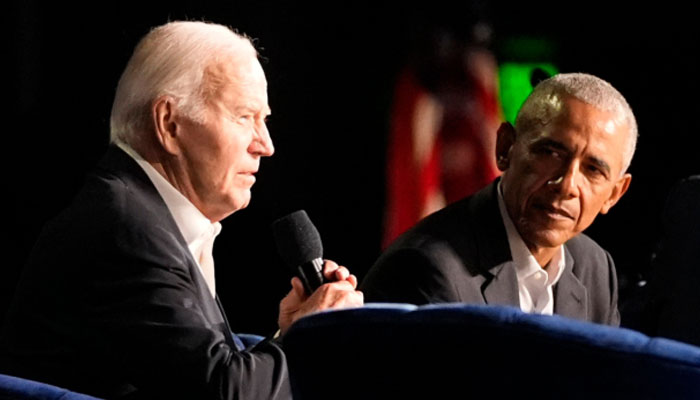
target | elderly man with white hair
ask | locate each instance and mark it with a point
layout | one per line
(519, 241)
(118, 298)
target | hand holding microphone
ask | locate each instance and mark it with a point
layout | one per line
(299, 244)
(318, 284)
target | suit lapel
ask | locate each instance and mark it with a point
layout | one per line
(118, 163)
(231, 338)
(570, 296)
(502, 287)
(495, 262)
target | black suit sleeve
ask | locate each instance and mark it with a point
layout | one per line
(411, 275)
(156, 334)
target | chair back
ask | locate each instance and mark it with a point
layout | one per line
(384, 351)
(14, 388)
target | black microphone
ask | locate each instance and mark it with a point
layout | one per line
(299, 244)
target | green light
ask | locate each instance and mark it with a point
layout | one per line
(515, 84)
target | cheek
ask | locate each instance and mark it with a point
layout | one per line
(528, 182)
(592, 201)
(231, 155)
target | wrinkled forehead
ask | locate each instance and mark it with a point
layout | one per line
(239, 70)
(236, 67)
(241, 85)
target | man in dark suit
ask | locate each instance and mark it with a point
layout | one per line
(518, 241)
(118, 298)
(668, 305)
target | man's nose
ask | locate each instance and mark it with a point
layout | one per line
(262, 142)
(566, 180)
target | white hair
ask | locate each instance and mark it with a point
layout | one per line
(176, 59)
(587, 88)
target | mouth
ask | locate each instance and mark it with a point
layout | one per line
(554, 212)
(249, 175)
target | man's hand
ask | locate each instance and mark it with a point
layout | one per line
(338, 293)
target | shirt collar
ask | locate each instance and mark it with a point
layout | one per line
(192, 223)
(525, 262)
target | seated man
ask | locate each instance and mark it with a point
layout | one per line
(518, 241)
(668, 305)
(118, 297)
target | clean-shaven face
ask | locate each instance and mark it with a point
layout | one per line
(223, 154)
(563, 173)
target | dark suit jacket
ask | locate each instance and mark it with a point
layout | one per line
(669, 305)
(461, 254)
(112, 303)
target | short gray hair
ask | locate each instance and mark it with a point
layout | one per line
(586, 88)
(173, 59)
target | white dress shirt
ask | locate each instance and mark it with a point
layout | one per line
(199, 232)
(534, 282)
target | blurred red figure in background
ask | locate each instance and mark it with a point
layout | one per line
(443, 128)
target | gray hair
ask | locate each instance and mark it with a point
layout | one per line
(586, 88)
(174, 59)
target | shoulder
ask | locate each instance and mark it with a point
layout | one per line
(117, 213)
(425, 272)
(432, 240)
(420, 266)
(431, 261)
(591, 264)
(585, 251)
(452, 223)
(582, 246)
(448, 238)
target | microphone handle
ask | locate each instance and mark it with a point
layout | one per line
(311, 275)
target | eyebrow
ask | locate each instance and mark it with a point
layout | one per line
(252, 108)
(541, 143)
(598, 162)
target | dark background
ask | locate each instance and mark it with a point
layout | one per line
(331, 69)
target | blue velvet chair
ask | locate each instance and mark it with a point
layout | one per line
(387, 351)
(248, 340)
(13, 388)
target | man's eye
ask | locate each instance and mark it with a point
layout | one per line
(594, 170)
(548, 152)
(597, 172)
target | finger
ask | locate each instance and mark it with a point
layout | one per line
(353, 280)
(329, 267)
(341, 274)
(298, 288)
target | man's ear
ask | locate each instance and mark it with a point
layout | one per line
(164, 122)
(620, 188)
(505, 140)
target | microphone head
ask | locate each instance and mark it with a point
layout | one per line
(297, 239)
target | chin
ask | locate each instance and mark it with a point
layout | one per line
(551, 239)
(230, 205)
(241, 201)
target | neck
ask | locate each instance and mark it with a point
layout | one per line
(170, 167)
(543, 255)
